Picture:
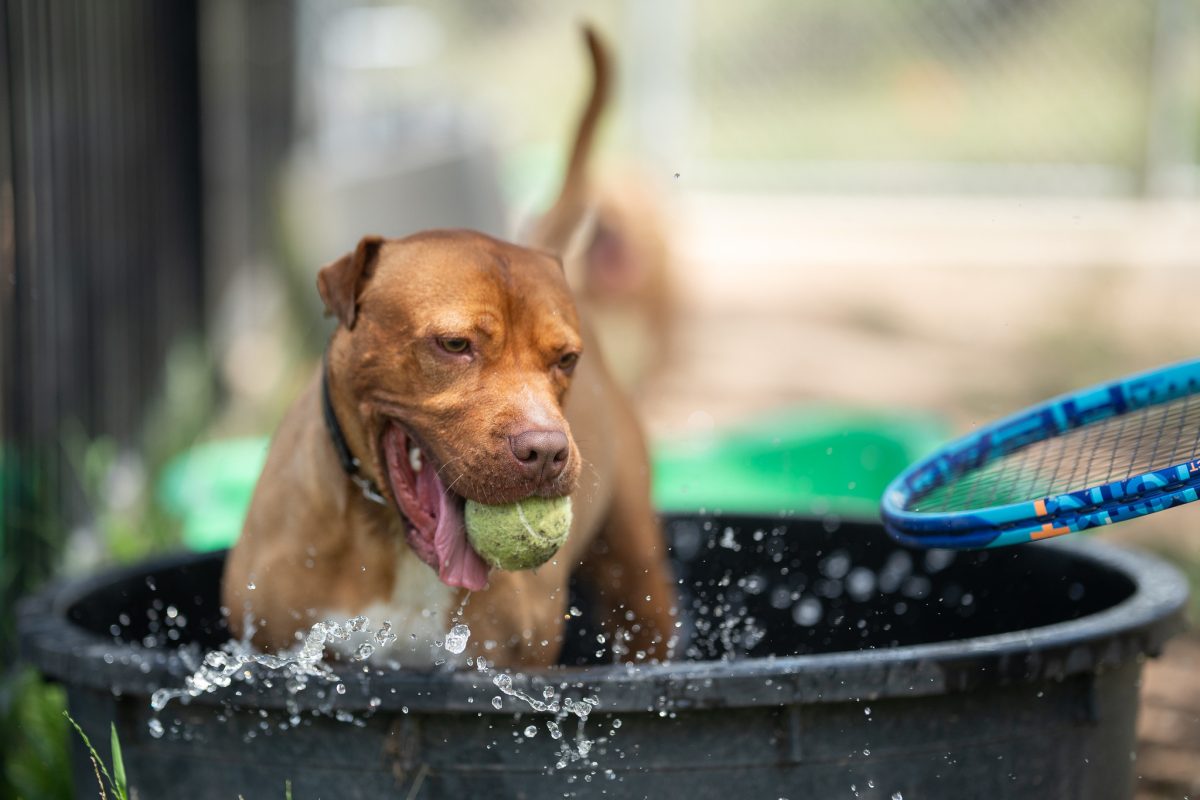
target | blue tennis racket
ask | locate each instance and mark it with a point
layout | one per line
(1089, 458)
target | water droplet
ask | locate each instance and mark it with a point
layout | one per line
(729, 540)
(340, 688)
(938, 560)
(156, 728)
(384, 636)
(456, 639)
(159, 700)
(860, 584)
(807, 612)
(897, 796)
(251, 586)
(498, 702)
(364, 651)
(531, 732)
(836, 565)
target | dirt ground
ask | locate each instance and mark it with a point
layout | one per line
(965, 309)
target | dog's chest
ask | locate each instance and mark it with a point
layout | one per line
(419, 612)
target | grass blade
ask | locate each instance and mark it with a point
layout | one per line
(88, 743)
(120, 787)
(96, 769)
(97, 761)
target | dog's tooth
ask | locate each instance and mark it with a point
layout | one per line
(414, 458)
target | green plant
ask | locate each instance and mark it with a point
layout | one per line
(117, 481)
(117, 784)
(33, 738)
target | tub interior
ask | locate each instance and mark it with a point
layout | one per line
(750, 587)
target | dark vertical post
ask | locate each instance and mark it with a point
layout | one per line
(100, 245)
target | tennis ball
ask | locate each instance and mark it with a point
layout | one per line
(519, 535)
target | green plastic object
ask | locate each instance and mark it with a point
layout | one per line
(209, 486)
(812, 461)
(815, 461)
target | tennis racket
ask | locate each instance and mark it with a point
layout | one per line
(1088, 458)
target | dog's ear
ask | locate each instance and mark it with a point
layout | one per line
(341, 281)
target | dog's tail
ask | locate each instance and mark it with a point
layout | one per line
(557, 226)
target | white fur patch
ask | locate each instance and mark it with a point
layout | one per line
(419, 611)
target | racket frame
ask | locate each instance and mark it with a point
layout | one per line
(1054, 515)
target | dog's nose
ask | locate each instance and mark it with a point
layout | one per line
(541, 454)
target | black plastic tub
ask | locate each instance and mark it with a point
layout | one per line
(823, 661)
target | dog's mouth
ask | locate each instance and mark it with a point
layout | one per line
(436, 528)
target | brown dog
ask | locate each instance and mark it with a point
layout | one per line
(625, 282)
(460, 369)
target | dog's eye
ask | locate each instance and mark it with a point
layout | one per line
(567, 362)
(454, 345)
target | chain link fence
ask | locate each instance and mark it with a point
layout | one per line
(1050, 96)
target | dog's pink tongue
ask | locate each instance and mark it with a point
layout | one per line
(458, 563)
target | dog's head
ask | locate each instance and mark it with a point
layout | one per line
(455, 352)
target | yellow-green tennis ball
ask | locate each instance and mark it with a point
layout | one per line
(519, 535)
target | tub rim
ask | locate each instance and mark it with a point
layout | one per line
(1137, 626)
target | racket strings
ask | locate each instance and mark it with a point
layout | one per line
(1116, 448)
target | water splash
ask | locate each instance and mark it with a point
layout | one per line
(384, 636)
(456, 639)
(552, 701)
(238, 662)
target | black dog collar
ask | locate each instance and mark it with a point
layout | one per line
(350, 464)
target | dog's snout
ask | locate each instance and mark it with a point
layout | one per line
(541, 454)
